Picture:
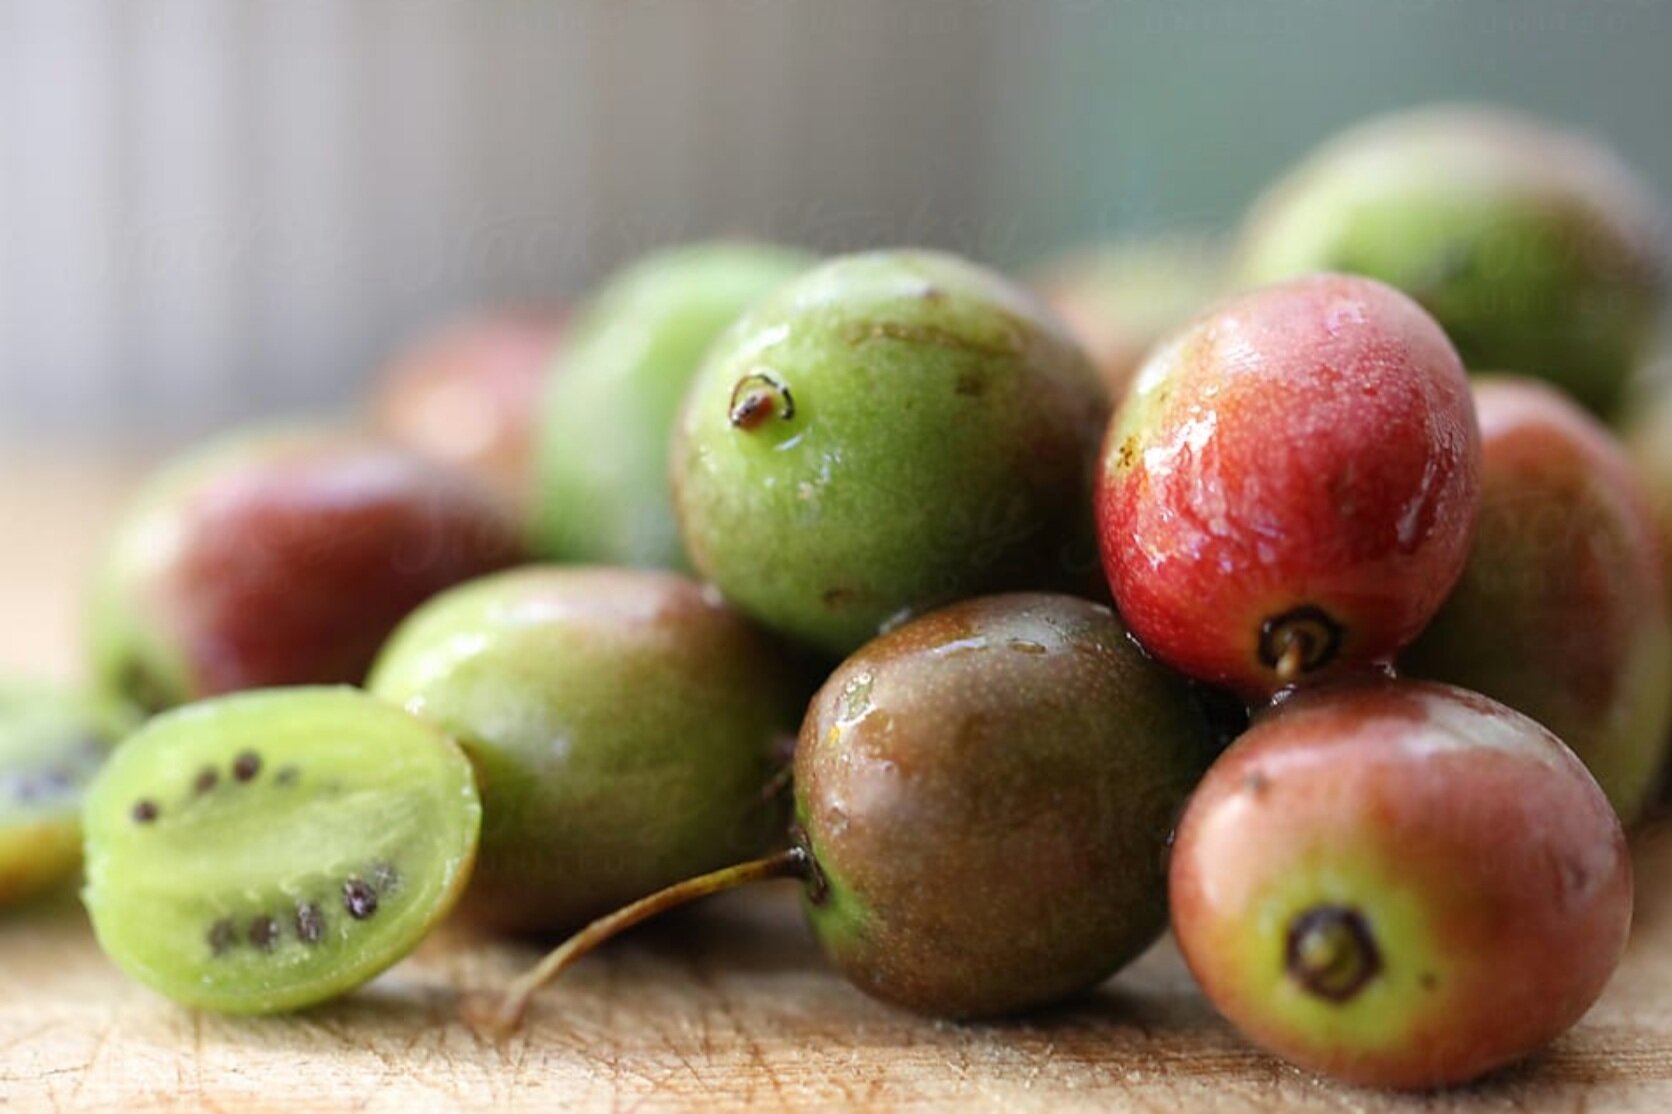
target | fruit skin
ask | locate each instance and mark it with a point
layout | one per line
(282, 558)
(1649, 441)
(1536, 248)
(1488, 868)
(604, 494)
(52, 741)
(932, 439)
(339, 782)
(1562, 612)
(467, 394)
(624, 726)
(987, 794)
(1311, 445)
(1121, 298)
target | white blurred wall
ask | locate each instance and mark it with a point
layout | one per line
(211, 209)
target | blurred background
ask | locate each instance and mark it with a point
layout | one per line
(211, 209)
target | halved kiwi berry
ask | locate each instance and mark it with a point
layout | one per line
(270, 850)
(52, 742)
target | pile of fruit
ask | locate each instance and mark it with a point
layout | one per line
(1241, 606)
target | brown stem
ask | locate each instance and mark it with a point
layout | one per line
(1292, 661)
(1299, 641)
(790, 863)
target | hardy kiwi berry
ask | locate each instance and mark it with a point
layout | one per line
(266, 851)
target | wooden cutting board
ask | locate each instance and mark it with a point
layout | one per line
(721, 1008)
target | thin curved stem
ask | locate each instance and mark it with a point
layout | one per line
(513, 1007)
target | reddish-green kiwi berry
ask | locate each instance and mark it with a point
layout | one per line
(885, 433)
(1562, 612)
(603, 470)
(281, 559)
(1122, 297)
(1400, 884)
(1536, 248)
(1649, 439)
(625, 727)
(52, 741)
(986, 795)
(468, 394)
(1291, 485)
(269, 850)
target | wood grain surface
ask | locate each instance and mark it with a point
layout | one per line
(721, 1008)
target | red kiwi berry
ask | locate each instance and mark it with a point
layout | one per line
(282, 558)
(1562, 610)
(1400, 884)
(468, 393)
(1290, 488)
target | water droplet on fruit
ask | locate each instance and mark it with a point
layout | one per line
(856, 699)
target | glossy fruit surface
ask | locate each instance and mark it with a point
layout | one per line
(1400, 884)
(1121, 298)
(987, 794)
(1538, 250)
(1562, 611)
(624, 725)
(266, 851)
(52, 741)
(1291, 486)
(468, 393)
(603, 473)
(279, 559)
(887, 432)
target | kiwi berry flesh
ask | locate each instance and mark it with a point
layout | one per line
(52, 741)
(267, 851)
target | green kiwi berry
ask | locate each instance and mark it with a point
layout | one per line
(886, 433)
(602, 489)
(270, 850)
(625, 726)
(52, 741)
(1537, 249)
